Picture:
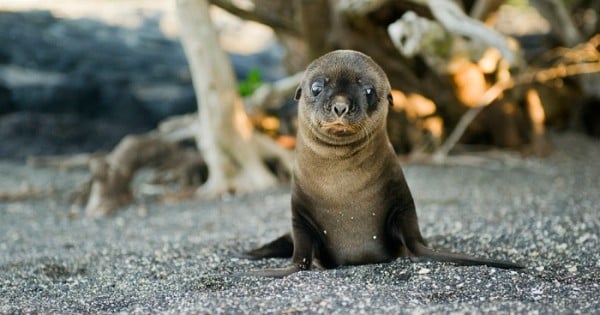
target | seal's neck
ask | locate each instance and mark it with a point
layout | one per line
(309, 145)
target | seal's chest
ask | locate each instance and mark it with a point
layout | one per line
(353, 236)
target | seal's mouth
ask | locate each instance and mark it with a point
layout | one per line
(339, 128)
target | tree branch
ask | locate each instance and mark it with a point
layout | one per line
(487, 98)
(269, 94)
(484, 8)
(264, 14)
(559, 71)
(557, 15)
(359, 7)
(455, 21)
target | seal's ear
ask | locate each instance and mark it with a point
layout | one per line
(298, 93)
(390, 99)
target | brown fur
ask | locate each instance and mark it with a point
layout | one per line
(350, 201)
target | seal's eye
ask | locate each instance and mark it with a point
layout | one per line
(316, 88)
(371, 97)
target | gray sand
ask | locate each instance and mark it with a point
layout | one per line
(180, 258)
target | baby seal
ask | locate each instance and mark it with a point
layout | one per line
(350, 202)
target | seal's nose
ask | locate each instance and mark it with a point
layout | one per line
(340, 109)
(340, 106)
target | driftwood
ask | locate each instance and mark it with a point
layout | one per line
(557, 15)
(234, 152)
(581, 60)
(230, 155)
(272, 95)
(362, 25)
(81, 160)
(112, 176)
(457, 22)
(109, 187)
(482, 9)
(488, 97)
(25, 192)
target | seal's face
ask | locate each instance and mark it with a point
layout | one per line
(343, 96)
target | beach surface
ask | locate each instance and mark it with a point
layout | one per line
(183, 257)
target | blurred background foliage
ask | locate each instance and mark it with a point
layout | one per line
(78, 76)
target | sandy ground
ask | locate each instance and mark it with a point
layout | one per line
(180, 258)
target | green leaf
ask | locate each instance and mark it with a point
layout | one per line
(247, 86)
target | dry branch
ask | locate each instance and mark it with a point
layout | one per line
(557, 15)
(179, 128)
(540, 76)
(81, 160)
(227, 139)
(263, 13)
(484, 8)
(269, 95)
(110, 185)
(560, 71)
(488, 97)
(25, 192)
(449, 14)
(359, 7)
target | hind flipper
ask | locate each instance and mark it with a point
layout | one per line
(282, 247)
(462, 259)
(404, 230)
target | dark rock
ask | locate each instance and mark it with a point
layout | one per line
(90, 64)
(269, 62)
(91, 74)
(29, 133)
(6, 104)
(98, 66)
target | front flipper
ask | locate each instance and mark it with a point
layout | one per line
(302, 254)
(300, 247)
(282, 247)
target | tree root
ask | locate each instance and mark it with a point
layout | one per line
(242, 168)
(109, 187)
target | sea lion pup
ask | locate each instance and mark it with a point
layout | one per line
(350, 202)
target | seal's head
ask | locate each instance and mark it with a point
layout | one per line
(343, 97)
